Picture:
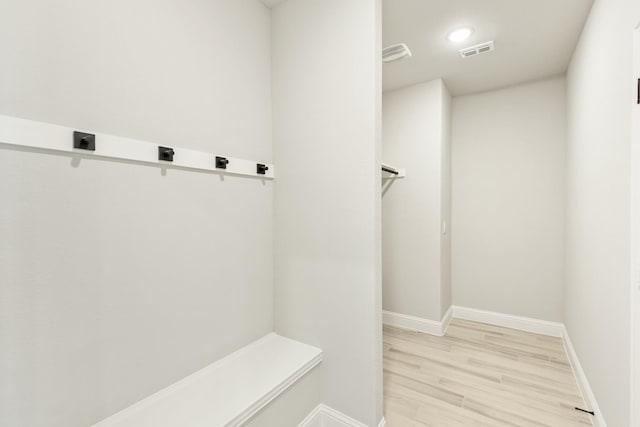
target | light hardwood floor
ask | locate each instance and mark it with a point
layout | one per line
(478, 375)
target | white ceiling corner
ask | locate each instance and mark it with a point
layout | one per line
(533, 39)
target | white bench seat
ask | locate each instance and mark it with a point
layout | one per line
(226, 393)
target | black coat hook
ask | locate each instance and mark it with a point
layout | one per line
(165, 154)
(261, 169)
(84, 141)
(221, 162)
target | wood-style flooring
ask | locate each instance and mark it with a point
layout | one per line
(478, 375)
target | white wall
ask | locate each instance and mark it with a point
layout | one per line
(326, 87)
(509, 199)
(415, 256)
(115, 279)
(600, 93)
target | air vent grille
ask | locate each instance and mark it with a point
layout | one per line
(477, 49)
(395, 52)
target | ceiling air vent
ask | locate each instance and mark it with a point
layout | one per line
(477, 49)
(395, 53)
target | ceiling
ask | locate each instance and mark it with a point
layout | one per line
(533, 39)
(271, 3)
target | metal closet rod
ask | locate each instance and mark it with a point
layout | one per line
(390, 170)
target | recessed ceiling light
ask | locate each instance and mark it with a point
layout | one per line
(459, 35)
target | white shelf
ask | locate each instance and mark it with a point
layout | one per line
(46, 136)
(226, 393)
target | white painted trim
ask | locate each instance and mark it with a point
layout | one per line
(227, 393)
(520, 323)
(326, 416)
(419, 324)
(314, 418)
(436, 328)
(583, 382)
(274, 393)
(336, 416)
(446, 319)
(634, 299)
(383, 423)
(46, 136)
(414, 323)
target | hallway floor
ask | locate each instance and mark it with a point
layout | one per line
(478, 375)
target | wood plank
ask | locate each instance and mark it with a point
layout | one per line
(478, 375)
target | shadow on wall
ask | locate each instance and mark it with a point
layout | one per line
(386, 185)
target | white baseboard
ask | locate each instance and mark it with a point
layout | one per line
(418, 324)
(520, 323)
(446, 319)
(325, 416)
(583, 383)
